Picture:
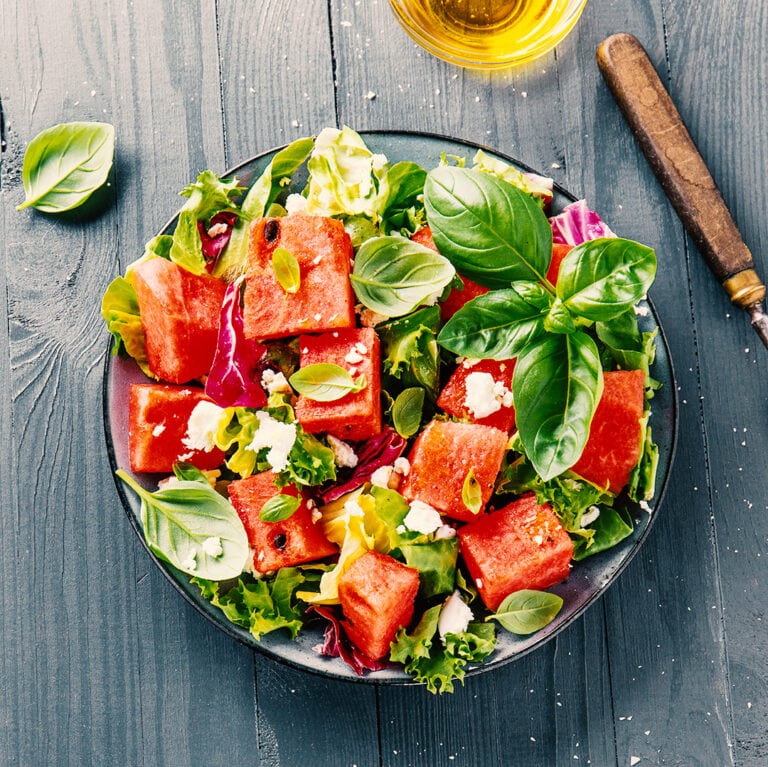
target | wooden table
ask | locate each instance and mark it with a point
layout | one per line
(102, 662)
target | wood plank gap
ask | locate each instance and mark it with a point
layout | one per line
(220, 68)
(334, 67)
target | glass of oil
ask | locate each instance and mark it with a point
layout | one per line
(488, 34)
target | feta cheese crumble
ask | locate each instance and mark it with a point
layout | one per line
(202, 427)
(485, 396)
(402, 466)
(274, 381)
(422, 518)
(343, 454)
(454, 617)
(279, 437)
(158, 430)
(190, 563)
(212, 546)
(590, 515)
(380, 477)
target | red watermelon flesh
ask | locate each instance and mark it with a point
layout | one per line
(324, 299)
(377, 595)
(180, 316)
(291, 541)
(357, 415)
(442, 457)
(559, 252)
(453, 397)
(614, 443)
(522, 546)
(158, 415)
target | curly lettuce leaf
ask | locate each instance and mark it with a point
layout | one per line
(533, 184)
(120, 310)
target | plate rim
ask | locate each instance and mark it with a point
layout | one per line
(377, 678)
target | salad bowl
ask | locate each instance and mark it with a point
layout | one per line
(588, 579)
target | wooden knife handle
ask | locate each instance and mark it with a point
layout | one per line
(676, 161)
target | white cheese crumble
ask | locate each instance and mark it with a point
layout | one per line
(485, 396)
(158, 430)
(422, 518)
(190, 563)
(642, 311)
(361, 348)
(454, 617)
(296, 203)
(212, 546)
(202, 426)
(380, 477)
(274, 381)
(645, 507)
(402, 466)
(343, 454)
(279, 437)
(353, 357)
(590, 515)
(444, 532)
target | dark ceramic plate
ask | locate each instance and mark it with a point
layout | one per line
(588, 579)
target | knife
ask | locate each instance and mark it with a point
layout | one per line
(681, 171)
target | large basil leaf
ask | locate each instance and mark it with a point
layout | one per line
(600, 279)
(64, 165)
(491, 231)
(499, 324)
(556, 386)
(393, 275)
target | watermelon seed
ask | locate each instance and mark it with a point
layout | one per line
(271, 230)
(279, 541)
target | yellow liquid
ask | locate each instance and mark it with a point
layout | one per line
(486, 31)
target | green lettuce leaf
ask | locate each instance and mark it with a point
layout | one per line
(120, 310)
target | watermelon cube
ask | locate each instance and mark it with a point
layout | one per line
(158, 422)
(180, 316)
(522, 546)
(377, 595)
(559, 252)
(485, 398)
(357, 415)
(323, 300)
(614, 443)
(442, 457)
(291, 541)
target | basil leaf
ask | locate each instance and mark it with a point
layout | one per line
(556, 387)
(527, 611)
(64, 165)
(491, 231)
(189, 472)
(610, 528)
(325, 382)
(286, 269)
(406, 411)
(499, 324)
(393, 275)
(600, 279)
(279, 507)
(471, 492)
(193, 528)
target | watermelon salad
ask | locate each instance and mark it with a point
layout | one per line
(400, 403)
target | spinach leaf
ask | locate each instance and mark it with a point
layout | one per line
(600, 279)
(325, 382)
(403, 208)
(64, 165)
(527, 611)
(393, 275)
(193, 527)
(499, 324)
(556, 387)
(491, 231)
(611, 527)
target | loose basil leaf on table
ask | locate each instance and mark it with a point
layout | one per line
(179, 519)
(393, 275)
(556, 386)
(491, 231)
(498, 325)
(64, 165)
(325, 382)
(527, 611)
(600, 279)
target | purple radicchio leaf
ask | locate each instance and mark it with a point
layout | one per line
(215, 236)
(235, 377)
(336, 644)
(372, 454)
(577, 224)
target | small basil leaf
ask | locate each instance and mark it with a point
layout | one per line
(279, 507)
(491, 231)
(406, 411)
(192, 527)
(186, 471)
(325, 382)
(471, 492)
(559, 319)
(64, 165)
(499, 324)
(527, 611)
(556, 387)
(393, 275)
(286, 269)
(600, 279)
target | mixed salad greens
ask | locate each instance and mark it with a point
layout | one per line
(491, 224)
